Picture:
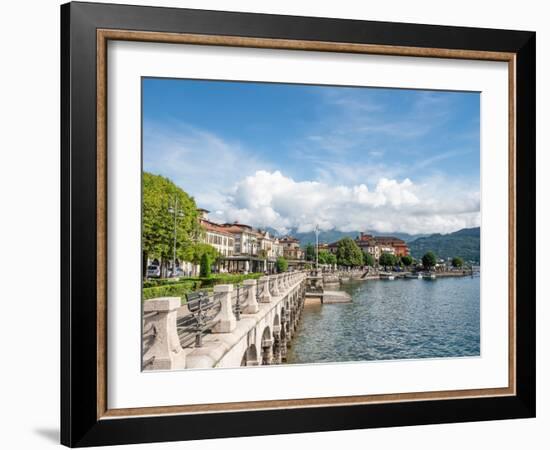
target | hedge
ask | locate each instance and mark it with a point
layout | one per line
(180, 288)
(170, 290)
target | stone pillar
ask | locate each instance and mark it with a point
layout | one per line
(282, 345)
(252, 362)
(160, 331)
(251, 301)
(226, 321)
(265, 295)
(267, 352)
(274, 285)
(281, 284)
(288, 330)
(277, 358)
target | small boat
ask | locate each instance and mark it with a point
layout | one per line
(430, 276)
(413, 276)
(387, 276)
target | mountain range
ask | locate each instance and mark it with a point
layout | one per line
(463, 243)
(335, 235)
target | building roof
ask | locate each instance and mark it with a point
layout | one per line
(289, 239)
(390, 240)
(214, 227)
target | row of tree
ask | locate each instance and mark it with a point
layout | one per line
(349, 254)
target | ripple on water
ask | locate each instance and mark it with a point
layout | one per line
(400, 319)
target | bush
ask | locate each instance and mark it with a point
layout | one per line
(171, 290)
(206, 266)
(182, 287)
(281, 264)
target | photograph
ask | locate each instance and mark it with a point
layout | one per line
(303, 224)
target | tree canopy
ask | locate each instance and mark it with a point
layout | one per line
(326, 257)
(387, 259)
(457, 261)
(406, 260)
(348, 253)
(310, 252)
(159, 199)
(159, 195)
(368, 259)
(429, 260)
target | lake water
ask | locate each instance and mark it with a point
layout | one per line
(392, 319)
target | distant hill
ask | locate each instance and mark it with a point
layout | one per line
(463, 243)
(334, 235)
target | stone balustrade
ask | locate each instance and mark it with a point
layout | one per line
(271, 307)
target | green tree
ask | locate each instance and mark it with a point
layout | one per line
(368, 259)
(457, 262)
(310, 252)
(159, 196)
(348, 253)
(281, 264)
(196, 251)
(406, 260)
(206, 266)
(326, 257)
(429, 260)
(386, 259)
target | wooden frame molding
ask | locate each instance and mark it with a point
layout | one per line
(103, 36)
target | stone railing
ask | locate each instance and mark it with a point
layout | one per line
(169, 327)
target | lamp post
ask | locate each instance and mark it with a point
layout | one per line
(177, 213)
(317, 247)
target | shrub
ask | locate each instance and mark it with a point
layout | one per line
(281, 264)
(171, 290)
(206, 266)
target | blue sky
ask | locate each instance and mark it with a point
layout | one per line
(291, 156)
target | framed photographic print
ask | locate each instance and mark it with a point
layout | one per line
(277, 224)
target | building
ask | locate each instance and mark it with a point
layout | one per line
(376, 245)
(278, 248)
(323, 246)
(247, 256)
(216, 235)
(291, 249)
(393, 245)
(368, 244)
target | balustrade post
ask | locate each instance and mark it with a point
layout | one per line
(226, 321)
(265, 295)
(274, 287)
(251, 301)
(281, 284)
(165, 352)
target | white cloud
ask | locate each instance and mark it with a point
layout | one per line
(201, 162)
(271, 199)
